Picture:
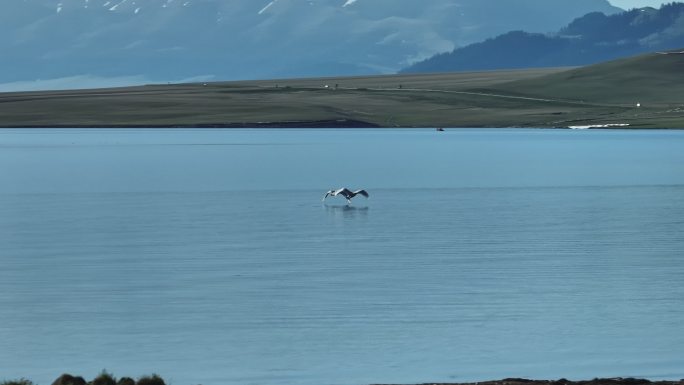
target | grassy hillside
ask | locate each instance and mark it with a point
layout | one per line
(601, 94)
(654, 81)
(652, 78)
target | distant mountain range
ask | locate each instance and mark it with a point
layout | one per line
(590, 39)
(169, 40)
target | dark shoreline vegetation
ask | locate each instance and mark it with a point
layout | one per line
(105, 378)
(639, 92)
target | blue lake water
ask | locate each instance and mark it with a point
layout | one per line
(207, 256)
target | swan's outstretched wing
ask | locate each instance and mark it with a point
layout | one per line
(361, 192)
(344, 191)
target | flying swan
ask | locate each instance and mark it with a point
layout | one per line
(345, 192)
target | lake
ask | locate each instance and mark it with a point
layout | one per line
(208, 257)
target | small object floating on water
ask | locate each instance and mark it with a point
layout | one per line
(345, 192)
(440, 129)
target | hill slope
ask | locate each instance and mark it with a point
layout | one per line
(654, 78)
(590, 39)
(600, 94)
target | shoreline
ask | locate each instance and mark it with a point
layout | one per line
(338, 123)
(324, 124)
(563, 381)
(105, 378)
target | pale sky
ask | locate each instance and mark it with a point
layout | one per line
(629, 4)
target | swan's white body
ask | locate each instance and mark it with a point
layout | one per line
(345, 192)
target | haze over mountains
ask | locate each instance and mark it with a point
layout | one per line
(170, 40)
(590, 39)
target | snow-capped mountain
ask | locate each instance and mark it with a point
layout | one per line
(159, 40)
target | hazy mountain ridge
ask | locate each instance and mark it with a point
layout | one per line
(590, 39)
(237, 39)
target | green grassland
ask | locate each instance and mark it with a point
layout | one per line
(558, 97)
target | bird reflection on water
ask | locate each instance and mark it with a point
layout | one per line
(346, 211)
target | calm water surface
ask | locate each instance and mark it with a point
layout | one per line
(208, 257)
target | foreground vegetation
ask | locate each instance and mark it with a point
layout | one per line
(644, 92)
(103, 378)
